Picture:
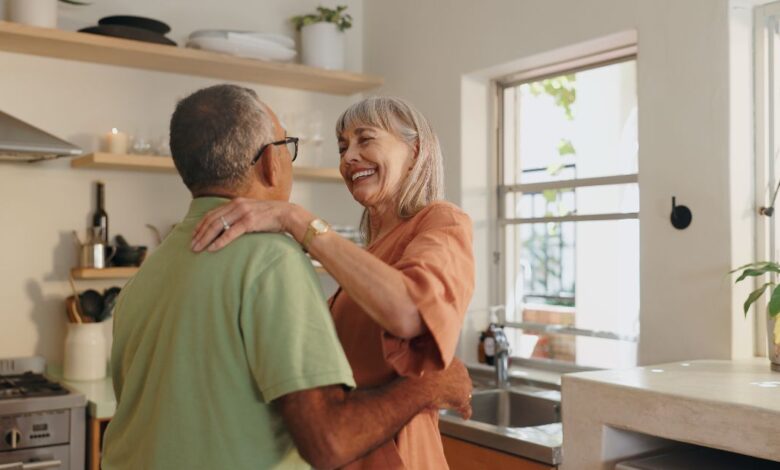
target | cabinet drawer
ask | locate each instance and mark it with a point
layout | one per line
(462, 455)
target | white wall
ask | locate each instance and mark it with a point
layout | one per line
(41, 203)
(428, 52)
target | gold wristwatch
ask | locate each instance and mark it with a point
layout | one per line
(316, 227)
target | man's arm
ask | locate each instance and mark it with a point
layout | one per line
(332, 427)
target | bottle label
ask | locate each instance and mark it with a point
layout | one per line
(490, 346)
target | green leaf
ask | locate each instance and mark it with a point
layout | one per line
(555, 168)
(343, 21)
(753, 272)
(754, 296)
(757, 264)
(550, 195)
(565, 147)
(774, 302)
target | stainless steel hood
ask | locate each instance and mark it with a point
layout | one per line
(20, 141)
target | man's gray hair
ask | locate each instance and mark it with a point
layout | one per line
(215, 133)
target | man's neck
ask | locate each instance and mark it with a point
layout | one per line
(257, 193)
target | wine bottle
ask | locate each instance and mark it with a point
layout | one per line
(100, 217)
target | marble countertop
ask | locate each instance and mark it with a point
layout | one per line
(613, 414)
(101, 401)
(746, 382)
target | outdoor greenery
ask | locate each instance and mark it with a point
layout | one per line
(324, 15)
(545, 248)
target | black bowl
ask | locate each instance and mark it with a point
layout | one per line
(128, 32)
(136, 22)
(129, 256)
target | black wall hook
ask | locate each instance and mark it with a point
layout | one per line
(681, 215)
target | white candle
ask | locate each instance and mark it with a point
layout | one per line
(116, 142)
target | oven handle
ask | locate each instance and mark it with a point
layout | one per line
(42, 465)
(31, 466)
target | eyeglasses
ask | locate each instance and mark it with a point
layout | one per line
(290, 142)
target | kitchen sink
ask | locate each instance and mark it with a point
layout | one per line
(520, 420)
(514, 410)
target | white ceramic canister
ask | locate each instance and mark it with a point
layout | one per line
(85, 352)
(322, 45)
(41, 13)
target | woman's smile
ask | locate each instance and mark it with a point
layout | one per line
(362, 175)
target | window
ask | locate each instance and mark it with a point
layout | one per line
(569, 211)
(767, 145)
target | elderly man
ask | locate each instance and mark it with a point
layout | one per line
(230, 359)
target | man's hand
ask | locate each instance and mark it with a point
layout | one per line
(453, 387)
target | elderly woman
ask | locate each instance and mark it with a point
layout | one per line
(402, 300)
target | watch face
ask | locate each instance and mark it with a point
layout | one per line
(319, 225)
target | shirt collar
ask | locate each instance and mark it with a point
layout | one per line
(202, 205)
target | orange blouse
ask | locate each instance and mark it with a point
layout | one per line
(433, 250)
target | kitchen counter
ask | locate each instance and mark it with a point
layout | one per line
(609, 416)
(101, 402)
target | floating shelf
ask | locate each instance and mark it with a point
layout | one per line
(108, 161)
(86, 47)
(103, 273)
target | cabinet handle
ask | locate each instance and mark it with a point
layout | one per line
(42, 465)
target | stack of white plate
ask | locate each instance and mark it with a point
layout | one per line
(264, 46)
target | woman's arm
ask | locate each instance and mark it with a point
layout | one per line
(376, 287)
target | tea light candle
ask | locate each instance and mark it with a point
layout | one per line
(116, 142)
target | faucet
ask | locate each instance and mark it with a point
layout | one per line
(501, 356)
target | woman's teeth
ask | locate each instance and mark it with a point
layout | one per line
(363, 173)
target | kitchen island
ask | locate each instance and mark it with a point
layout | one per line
(610, 416)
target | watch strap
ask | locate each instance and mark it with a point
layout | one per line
(312, 230)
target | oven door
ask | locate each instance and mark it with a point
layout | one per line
(42, 458)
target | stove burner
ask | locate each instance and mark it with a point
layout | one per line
(29, 385)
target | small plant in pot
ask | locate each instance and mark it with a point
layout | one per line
(760, 269)
(322, 36)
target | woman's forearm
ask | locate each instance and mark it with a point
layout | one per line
(374, 285)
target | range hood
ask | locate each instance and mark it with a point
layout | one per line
(20, 141)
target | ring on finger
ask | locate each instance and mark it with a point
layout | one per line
(225, 224)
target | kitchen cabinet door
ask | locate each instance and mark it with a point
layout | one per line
(462, 455)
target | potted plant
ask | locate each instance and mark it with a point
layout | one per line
(754, 270)
(322, 36)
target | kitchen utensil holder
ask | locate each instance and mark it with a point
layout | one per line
(85, 352)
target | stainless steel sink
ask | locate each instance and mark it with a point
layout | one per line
(512, 409)
(522, 420)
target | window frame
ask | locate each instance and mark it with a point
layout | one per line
(766, 103)
(621, 52)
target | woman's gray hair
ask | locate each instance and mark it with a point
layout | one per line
(215, 132)
(425, 182)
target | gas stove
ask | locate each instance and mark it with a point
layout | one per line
(42, 423)
(28, 385)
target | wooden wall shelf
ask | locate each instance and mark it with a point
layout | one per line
(86, 47)
(108, 161)
(103, 273)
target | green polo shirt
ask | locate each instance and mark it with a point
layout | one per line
(203, 344)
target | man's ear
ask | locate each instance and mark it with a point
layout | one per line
(269, 168)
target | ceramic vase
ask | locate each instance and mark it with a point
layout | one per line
(42, 13)
(773, 349)
(322, 45)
